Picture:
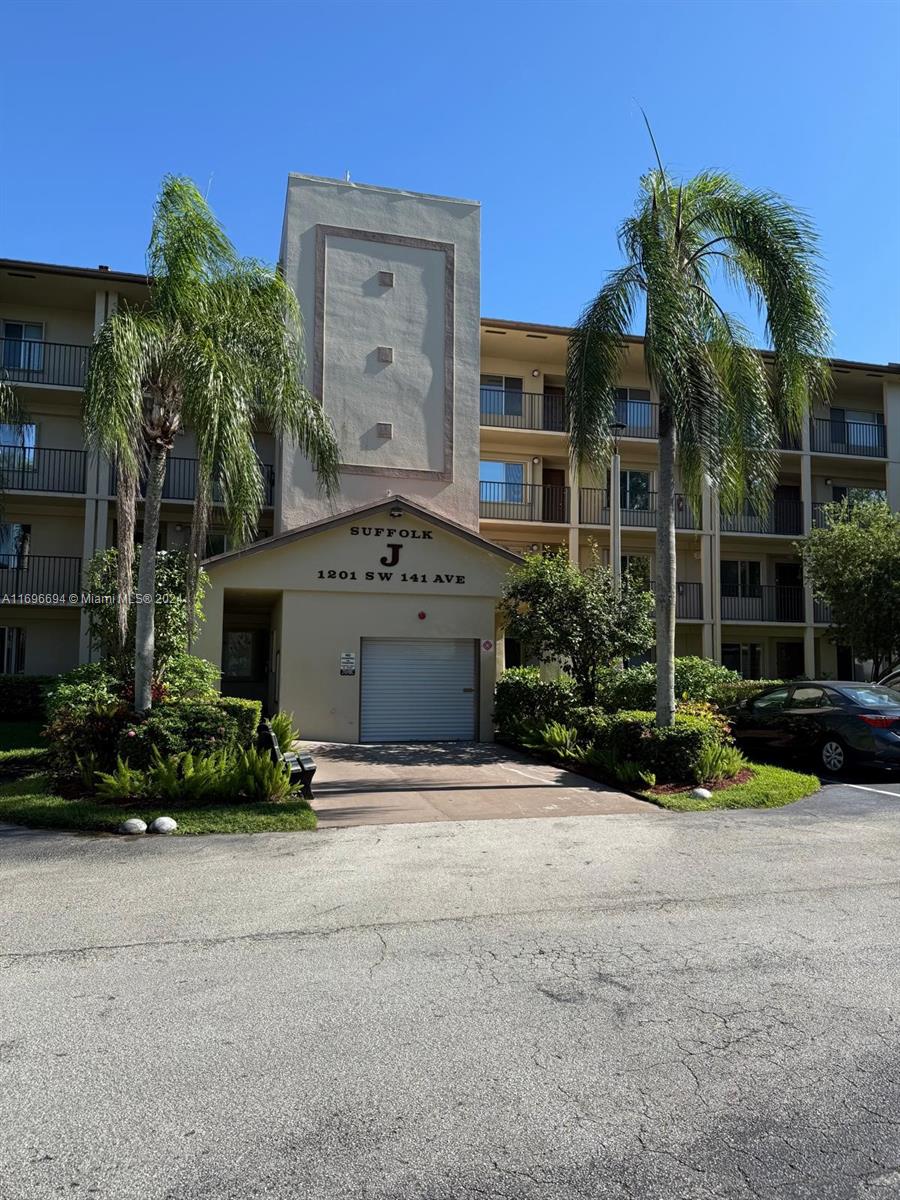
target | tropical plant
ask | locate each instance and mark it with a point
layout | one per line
(853, 564)
(285, 731)
(218, 349)
(260, 778)
(720, 410)
(718, 762)
(122, 783)
(575, 616)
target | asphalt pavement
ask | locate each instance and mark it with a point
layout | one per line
(658, 1008)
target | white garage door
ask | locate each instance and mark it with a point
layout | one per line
(420, 690)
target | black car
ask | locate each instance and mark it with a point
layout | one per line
(840, 724)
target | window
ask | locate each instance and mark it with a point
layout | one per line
(14, 543)
(501, 394)
(808, 697)
(23, 346)
(740, 578)
(502, 481)
(12, 650)
(17, 443)
(634, 410)
(872, 697)
(743, 657)
(634, 490)
(771, 701)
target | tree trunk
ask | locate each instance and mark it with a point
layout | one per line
(665, 570)
(126, 502)
(146, 609)
(197, 546)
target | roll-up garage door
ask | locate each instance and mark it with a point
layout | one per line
(418, 690)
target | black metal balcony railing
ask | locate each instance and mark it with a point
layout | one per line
(525, 502)
(40, 469)
(38, 579)
(818, 514)
(522, 410)
(180, 482)
(54, 363)
(688, 600)
(833, 435)
(637, 513)
(769, 602)
(782, 516)
(640, 418)
(821, 612)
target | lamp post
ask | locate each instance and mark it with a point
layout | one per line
(615, 503)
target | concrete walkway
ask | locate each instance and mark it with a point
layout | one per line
(450, 781)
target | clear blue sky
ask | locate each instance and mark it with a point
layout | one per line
(530, 108)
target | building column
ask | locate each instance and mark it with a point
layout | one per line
(892, 437)
(715, 587)
(615, 516)
(574, 516)
(706, 570)
(809, 618)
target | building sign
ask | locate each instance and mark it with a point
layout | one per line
(348, 663)
(487, 645)
(387, 566)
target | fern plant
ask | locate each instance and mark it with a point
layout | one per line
(285, 732)
(124, 783)
(258, 778)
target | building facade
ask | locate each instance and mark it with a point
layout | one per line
(369, 613)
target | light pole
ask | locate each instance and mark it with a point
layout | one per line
(615, 504)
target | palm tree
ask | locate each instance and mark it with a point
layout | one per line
(218, 349)
(721, 411)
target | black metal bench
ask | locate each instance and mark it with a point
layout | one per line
(301, 766)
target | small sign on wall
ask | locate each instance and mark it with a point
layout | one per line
(348, 663)
(487, 645)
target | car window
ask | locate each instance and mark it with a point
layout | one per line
(873, 696)
(771, 701)
(808, 697)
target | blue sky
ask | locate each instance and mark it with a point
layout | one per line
(531, 108)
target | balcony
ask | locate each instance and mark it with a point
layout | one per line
(818, 514)
(38, 579)
(52, 364)
(594, 510)
(783, 517)
(40, 469)
(821, 612)
(780, 603)
(180, 482)
(524, 502)
(522, 410)
(831, 435)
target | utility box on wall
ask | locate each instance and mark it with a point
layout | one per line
(388, 284)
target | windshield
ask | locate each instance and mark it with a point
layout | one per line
(874, 696)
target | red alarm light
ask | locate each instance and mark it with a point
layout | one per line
(422, 616)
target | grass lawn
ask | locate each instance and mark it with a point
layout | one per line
(770, 787)
(28, 801)
(20, 745)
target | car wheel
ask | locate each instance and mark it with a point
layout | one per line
(833, 755)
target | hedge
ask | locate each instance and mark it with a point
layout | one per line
(23, 697)
(176, 727)
(521, 695)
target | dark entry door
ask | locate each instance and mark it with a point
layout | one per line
(788, 509)
(245, 664)
(554, 407)
(554, 493)
(788, 592)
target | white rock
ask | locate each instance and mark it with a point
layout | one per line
(133, 825)
(163, 825)
(701, 794)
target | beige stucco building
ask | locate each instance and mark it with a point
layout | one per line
(371, 616)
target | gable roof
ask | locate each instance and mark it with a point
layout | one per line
(348, 514)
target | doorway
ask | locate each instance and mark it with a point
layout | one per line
(553, 507)
(788, 591)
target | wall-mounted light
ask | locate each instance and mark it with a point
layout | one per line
(536, 460)
(535, 373)
(396, 512)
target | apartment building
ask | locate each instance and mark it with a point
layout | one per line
(455, 460)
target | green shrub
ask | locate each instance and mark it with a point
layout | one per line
(730, 694)
(22, 697)
(590, 724)
(84, 742)
(285, 732)
(695, 679)
(190, 726)
(259, 778)
(190, 678)
(88, 688)
(716, 763)
(671, 753)
(522, 696)
(123, 783)
(189, 780)
(560, 740)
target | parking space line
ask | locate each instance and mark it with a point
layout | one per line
(881, 792)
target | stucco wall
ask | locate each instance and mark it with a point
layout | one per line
(358, 314)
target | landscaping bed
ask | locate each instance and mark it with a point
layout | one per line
(760, 786)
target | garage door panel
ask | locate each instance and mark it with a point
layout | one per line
(417, 690)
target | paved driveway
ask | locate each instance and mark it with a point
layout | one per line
(450, 781)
